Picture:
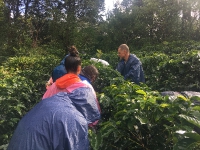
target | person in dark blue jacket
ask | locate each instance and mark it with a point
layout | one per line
(60, 70)
(129, 65)
(89, 73)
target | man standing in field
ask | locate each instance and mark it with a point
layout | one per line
(129, 65)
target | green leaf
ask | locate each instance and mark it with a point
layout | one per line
(194, 136)
(142, 120)
(196, 114)
(158, 116)
(182, 97)
(185, 144)
(196, 108)
(130, 125)
(142, 105)
(120, 113)
(98, 141)
(194, 121)
(164, 105)
(107, 133)
(141, 92)
(118, 122)
(195, 98)
(152, 100)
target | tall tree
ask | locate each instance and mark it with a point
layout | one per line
(3, 27)
(52, 21)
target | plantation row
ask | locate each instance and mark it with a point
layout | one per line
(133, 117)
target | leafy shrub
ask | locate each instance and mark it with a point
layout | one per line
(168, 66)
(44, 50)
(151, 66)
(22, 86)
(135, 117)
(107, 75)
(111, 57)
(16, 98)
(177, 72)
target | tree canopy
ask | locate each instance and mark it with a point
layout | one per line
(63, 23)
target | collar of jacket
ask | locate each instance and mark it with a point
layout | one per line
(67, 80)
(82, 77)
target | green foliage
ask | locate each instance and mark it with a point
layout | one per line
(111, 57)
(136, 23)
(168, 66)
(4, 52)
(21, 87)
(16, 98)
(107, 76)
(187, 139)
(134, 117)
(176, 72)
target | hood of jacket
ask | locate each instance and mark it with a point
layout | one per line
(67, 80)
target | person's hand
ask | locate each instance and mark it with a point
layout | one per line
(49, 83)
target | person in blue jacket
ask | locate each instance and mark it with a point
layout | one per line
(129, 65)
(59, 121)
(60, 70)
(89, 73)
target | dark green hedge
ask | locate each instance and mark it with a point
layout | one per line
(22, 85)
(23, 81)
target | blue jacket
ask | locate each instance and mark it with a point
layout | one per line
(59, 70)
(82, 77)
(132, 69)
(57, 123)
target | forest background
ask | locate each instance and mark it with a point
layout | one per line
(164, 34)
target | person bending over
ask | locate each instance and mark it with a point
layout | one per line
(60, 70)
(88, 73)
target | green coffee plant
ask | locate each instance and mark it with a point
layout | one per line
(107, 75)
(22, 85)
(135, 117)
(177, 72)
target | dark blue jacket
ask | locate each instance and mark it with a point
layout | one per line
(82, 77)
(57, 123)
(132, 69)
(59, 70)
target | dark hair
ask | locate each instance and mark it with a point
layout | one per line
(73, 51)
(90, 72)
(73, 60)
